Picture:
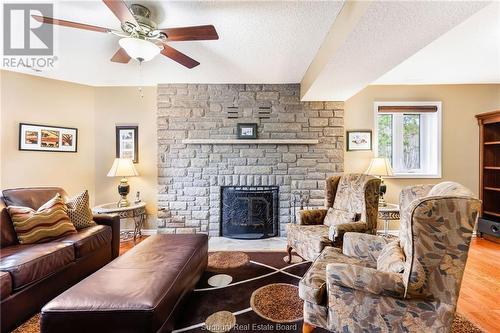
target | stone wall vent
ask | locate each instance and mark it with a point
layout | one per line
(264, 112)
(233, 112)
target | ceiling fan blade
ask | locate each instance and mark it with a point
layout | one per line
(180, 57)
(121, 11)
(121, 56)
(202, 32)
(70, 24)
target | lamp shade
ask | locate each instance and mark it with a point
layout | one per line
(139, 49)
(379, 166)
(123, 167)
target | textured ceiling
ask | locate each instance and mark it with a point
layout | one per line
(387, 34)
(260, 42)
(469, 53)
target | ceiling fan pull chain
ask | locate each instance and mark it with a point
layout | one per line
(141, 92)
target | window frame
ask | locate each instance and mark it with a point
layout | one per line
(437, 104)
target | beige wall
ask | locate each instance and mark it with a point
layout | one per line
(94, 111)
(37, 100)
(460, 149)
(124, 106)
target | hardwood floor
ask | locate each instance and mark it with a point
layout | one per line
(127, 245)
(479, 299)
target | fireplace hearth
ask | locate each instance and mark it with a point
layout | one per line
(249, 212)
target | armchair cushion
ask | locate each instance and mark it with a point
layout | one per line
(337, 216)
(308, 240)
(312, 287)
(363, 246)
(311, 216)
(391, 258)
(351, 310)
(366, 279)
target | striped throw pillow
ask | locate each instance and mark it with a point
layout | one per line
(79, 211)
(50, 221)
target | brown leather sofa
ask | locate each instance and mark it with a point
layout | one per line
(31, 275)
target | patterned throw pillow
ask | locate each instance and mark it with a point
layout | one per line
(50, 221)
(337, 216)
(79, 211)
(391, 259)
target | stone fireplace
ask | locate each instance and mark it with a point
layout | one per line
(249, 212)
(299, 145)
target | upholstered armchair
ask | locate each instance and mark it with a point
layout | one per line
(410, 284)
(351, 204)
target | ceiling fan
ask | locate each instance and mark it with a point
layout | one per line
(140, 37)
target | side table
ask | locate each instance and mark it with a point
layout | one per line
(135, 211)
(390, 212)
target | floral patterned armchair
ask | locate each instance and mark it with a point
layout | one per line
(351, 204)
(353, 291)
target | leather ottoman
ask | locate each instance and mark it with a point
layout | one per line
(140, 291)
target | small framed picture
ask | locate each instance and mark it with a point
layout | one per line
(247, 131)
(47, 138)
(359, 140)
(127, 142)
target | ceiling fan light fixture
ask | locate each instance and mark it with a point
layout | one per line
(139, 49)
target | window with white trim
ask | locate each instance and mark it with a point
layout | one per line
(408, 134)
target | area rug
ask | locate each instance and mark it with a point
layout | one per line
(246, 304)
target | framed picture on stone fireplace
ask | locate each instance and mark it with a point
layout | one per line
(247, 131)
(127, 142)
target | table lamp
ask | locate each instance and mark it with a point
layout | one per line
(123, 167)
(380, 167)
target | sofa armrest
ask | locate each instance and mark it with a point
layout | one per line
(337, 231)
(112, 220)
(311, 216)
(365, 279)
(363, 246)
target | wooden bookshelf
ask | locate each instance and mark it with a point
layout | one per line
(489, 173)
(491, 213)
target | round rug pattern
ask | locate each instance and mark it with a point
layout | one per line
(220, 322)
(227, 260)
(220, 280)
(278, 302)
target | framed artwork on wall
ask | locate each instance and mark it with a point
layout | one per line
(34, 137)
(247, 131)
(359, 140)
(127, 142)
